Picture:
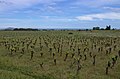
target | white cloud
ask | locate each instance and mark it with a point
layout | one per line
(6, 5)
(43, 18)
(51, 9)
(15, 4)
(112, 9)
(84, 18)
(96, 3)
(100, 16)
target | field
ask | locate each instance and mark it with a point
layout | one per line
(60, 54)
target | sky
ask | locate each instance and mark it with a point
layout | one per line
(59, 13)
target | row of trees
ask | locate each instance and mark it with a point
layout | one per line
(31, 29)
(25, 29)
(98, 28)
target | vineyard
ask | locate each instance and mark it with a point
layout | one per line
(60, 54)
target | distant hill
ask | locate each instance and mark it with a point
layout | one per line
(9, 28)
(19, 29)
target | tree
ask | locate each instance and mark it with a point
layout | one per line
(108, 27)
(96, 28)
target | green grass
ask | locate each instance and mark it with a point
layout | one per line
(16, 67)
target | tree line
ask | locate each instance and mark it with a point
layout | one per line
(107, 28)
(24, 29)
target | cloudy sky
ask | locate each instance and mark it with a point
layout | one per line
(59, 13)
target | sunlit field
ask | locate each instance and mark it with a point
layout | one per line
(60, 54)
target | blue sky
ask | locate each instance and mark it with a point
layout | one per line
(59, 13)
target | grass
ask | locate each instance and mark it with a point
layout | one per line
(16, 67)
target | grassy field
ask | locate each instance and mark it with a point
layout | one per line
(59, 54)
